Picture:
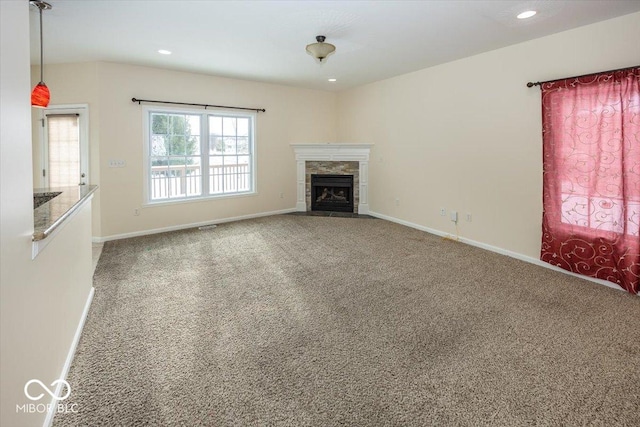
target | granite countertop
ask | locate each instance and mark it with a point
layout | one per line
(51, 214)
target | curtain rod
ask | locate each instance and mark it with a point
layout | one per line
(530, 84)
(257, 110)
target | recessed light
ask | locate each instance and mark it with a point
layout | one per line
(333, 80)
(164, 52)
(526, 14)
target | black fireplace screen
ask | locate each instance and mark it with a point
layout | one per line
(332, 193)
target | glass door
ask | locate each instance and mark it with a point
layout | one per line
(65, 147)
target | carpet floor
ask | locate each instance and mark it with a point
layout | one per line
(323, 321)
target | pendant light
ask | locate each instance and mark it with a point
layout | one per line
(40, 95)
(320, 50)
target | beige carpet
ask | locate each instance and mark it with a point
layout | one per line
(293, 320)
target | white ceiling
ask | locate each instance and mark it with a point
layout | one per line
(265, 40)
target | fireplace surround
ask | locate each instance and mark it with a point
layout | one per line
(335, 159)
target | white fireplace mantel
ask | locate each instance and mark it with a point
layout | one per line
(334, 152)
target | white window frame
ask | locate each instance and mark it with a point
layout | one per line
(147, 111)
(82, 110)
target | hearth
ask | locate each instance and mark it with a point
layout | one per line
(332, 193)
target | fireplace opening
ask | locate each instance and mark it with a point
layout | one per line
(332, 193)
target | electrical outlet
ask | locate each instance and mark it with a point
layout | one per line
(454, 216)
(443, 212)
(282, 195)
(397, 202)
(468, 217)
(136, 212)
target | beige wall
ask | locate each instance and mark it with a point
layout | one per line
(41, 300)
(467, 135)
(293, 115)
(68, 80)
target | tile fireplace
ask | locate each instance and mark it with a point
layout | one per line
(332, 159)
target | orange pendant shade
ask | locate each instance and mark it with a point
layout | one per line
(40, 96)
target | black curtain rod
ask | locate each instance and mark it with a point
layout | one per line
(530, 84)
(257, 110)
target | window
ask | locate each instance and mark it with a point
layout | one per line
(591, 171)
(63, 136)
(196, 155)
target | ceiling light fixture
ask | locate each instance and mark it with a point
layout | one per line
(333, 80)
(40, 94)
(320, 50)
(164, 52)
(526, 14)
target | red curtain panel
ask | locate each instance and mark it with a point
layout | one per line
(591, 176)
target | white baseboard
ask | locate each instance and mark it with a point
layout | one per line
(67, 363)
(192, 225)
(496, 249)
